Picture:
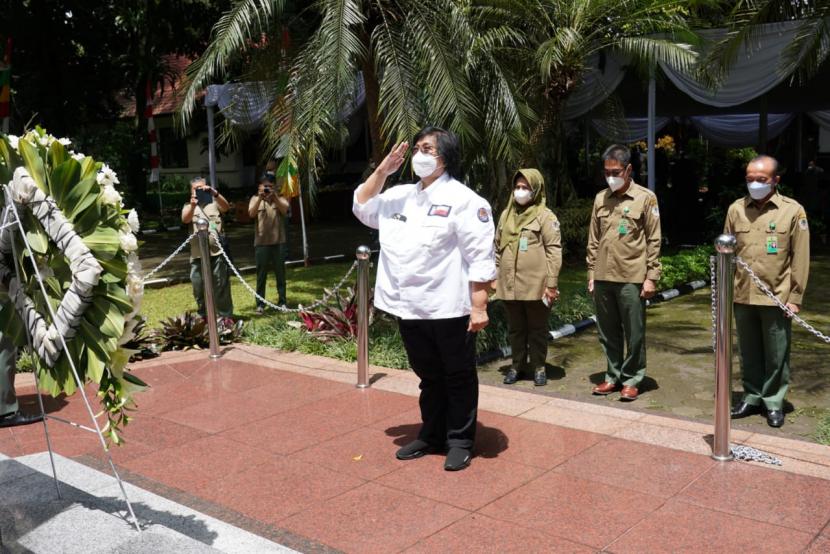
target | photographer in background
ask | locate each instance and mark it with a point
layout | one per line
(206, 202)
(268, 210)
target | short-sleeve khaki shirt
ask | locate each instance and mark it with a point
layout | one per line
(775, 241)
(624, 236)
(268, 225)
(212, 213)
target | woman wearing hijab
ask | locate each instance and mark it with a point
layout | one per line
(528, 257)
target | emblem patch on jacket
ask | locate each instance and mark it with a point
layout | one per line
(441, 210)
(483, 215)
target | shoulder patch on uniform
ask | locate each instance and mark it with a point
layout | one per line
(555, 224)
(655, 211)
(483, 215)
(802, 223)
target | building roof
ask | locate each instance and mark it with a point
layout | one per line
(167, 98)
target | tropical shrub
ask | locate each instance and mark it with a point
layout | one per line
(335, 322)
(190, 331)
(684, 267)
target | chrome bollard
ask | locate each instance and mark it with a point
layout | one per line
(725, 246)
(363, 254)
(202, 226)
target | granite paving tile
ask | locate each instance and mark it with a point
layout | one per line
(365, 453)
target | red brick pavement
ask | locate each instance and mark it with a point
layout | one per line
(313, 459)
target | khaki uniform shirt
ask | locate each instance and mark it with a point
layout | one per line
(268, 226)
(524, 274)
(624, 236)
(214, 216)
(775, 242)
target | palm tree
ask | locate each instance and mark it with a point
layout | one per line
(419, 62)
(552, 43)
(804, 55)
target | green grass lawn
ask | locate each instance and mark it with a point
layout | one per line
(304, 286)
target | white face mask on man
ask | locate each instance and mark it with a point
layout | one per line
(758, 190)
(424, 165)
(615, 183)
(522, 196)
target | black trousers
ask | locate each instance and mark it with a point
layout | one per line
(442, 354)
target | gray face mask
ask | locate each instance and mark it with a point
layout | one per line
(758, 190)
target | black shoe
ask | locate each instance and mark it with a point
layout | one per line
(540, 379)
(414, 449)
(742, 409)
(775, 418)
(511, 377)
(457, 459)
(19, 418)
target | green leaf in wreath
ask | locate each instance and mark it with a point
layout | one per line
(115, 294)
(48, 383)
(94, 366)
(37, 237)
(91, 337)
(10, 160)
(57, 154)
(103, 241)
(33, 163)
(88, 168)
(80, 197)
(63, 176)
(88, 220)
(105, 316)
(116, 267)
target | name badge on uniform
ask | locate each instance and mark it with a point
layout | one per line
(441, 210)
(522, 244)
(399, 217)
(212, 225)
(772, 244)
(623, 228)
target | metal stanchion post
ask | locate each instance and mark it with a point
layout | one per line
(725, 246)
(363, 253)
(202, 226)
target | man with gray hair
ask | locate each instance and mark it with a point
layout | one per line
(623, 269)
(206, 202)
(773, 237)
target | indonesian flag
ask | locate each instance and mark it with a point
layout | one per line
(5, 86)
(151, 133)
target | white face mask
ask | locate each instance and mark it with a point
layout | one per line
(522, 196)
(424, 165)
(615, 183)
(758, 190)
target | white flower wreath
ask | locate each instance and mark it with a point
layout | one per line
(83, 243)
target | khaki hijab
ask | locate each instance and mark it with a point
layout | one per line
(518, 217)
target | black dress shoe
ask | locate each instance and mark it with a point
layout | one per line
(414, 449)
(540, 379)
(511, 377)
(775, 418)
(457, 459)
(742, 409)
(19, 418)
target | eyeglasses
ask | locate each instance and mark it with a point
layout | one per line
(426, 149)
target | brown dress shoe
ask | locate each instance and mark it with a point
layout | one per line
(605, 388)
(629, 393)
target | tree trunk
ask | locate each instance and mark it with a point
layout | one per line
(372, 86)
(550, 144)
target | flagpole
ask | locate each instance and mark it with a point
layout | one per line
(5, 87)
(154, 153)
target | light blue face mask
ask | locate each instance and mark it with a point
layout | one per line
(758, 190)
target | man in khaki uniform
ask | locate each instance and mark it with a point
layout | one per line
(773, 237)
(268, 210)
(623, 269)
(206, 202)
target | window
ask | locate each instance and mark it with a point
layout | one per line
(172, 148)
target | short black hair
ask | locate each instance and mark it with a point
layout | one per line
(617, 152)
(449, 148)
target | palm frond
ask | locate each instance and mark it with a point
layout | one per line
(649, 51)
(243, 21)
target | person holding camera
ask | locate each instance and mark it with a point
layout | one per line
(268, 209)
(207, 203)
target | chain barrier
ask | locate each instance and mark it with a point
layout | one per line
(713, 283)
(749, 454)
(322, 301)
(765, 289)
(169, 258)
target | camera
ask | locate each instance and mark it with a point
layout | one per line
(266, 190)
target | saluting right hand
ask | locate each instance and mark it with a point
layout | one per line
(394, 160)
